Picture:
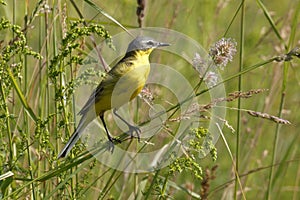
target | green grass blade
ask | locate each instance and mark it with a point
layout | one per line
(22, 97)
(92, 4)
(234, 17)
(271, 21)
(272, 180)
(238, 125)
(232, 160)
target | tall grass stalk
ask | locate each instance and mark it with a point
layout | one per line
(237, 179)
(282, 99)
(238, 125)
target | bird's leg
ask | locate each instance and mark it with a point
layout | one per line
(110, 138)
(132, 129)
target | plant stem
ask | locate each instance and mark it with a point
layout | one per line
(241, 59)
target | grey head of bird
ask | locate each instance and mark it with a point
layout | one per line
(144, 43)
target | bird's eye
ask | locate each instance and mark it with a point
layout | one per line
(150, 43)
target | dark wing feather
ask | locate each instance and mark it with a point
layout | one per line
(112, 77)
(91, 101)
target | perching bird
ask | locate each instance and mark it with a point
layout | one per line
(123, 82)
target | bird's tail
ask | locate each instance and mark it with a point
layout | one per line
(74, 138)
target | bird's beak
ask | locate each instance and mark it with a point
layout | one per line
(161, 44)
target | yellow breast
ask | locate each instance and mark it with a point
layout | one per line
(124, 82)
(130, 84)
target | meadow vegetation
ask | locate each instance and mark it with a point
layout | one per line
(44, 44)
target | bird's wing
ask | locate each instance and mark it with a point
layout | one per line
(107, 83)
(104, 88)
(121, 68)
(91, 101)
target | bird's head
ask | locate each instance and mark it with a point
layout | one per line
(144, 44)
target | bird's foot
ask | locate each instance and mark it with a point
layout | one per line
(111, 143)
(136, 130)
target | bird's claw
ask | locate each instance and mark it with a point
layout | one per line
(136, 130)
(111, 144)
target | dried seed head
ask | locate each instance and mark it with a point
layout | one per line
(223, 51)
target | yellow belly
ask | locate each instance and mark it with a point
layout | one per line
(129, 86)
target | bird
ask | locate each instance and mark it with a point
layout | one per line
(121, 84)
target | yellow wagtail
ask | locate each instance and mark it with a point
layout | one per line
(121, 84)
